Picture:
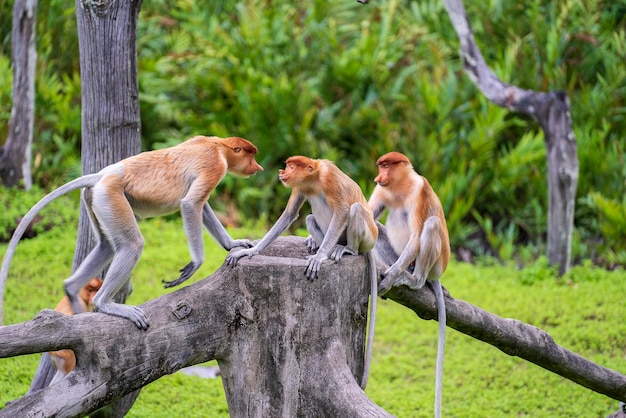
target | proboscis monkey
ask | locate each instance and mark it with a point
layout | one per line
(148, 184)
(414, 241)
(65, 360)
(341, 223)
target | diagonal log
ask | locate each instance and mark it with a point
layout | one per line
(514, 338)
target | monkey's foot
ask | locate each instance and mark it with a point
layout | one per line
(311, 245)
(404, 279)
(341, 250)
(135, 314)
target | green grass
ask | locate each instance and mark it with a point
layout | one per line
(583, 312)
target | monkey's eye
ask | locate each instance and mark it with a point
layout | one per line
(386, 166)
(237, 150)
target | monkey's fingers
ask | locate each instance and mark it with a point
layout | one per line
(133, 313)
(186, 273)
(245, 243)
(233, 258)
(341, 250)
(314, 263)
(311, 245)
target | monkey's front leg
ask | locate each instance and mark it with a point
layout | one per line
(218, 232)
(192, 223)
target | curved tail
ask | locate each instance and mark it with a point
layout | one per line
(84, 181)
(441, 342)
(372, 322)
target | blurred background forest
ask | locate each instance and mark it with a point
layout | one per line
(349, 82)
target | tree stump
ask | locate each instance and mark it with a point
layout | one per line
(287, 346)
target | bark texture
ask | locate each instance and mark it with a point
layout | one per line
(514, 338)
(15, 155)
(552, 111)
(110, 117)
(286, 346)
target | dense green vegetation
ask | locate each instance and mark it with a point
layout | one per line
(349, 82)
(583, 312)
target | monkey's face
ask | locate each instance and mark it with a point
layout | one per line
(384, 175)
(88, 292)
(285, 175)
(390, 166)
(243, 163)
(297, 170)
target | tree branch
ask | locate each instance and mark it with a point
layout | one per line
(276, 336)
(514, 338)
(286, 346)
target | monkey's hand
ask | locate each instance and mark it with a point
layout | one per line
(313, 265)
(245, 243)
(233, 258)
(185, 273)
(311, 245)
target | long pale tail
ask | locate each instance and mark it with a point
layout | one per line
(441, 342)
(84, 181)
(372, 322)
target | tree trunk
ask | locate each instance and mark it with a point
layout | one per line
(552, 111)
(15, 155)
(286, 346)
(111, 122)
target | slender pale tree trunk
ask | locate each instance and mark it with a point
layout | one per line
(552, 111)
(111, 123)
(15, 155)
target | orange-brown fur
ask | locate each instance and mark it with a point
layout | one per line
(341, 223)
(152, 183)
(65, 360)
(396, 178)
(415, 238)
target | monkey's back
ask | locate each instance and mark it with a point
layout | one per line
(155, 182)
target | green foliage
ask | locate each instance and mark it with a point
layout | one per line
(349, 82)
(612, 223)
(16, 202)
(583, 312)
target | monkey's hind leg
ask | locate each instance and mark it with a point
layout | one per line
(122, 231)
(316, 235)
(430, 250)
(358, 234)
(95, 261)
